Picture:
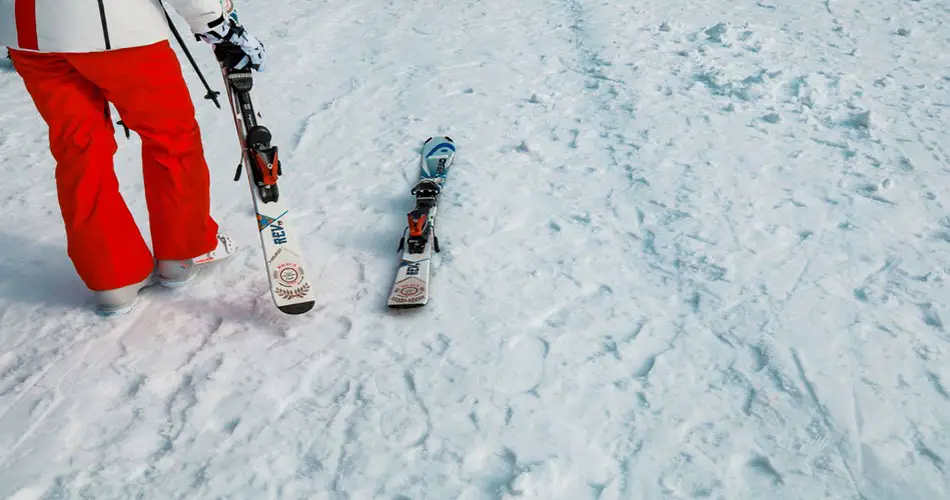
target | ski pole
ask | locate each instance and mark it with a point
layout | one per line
(212, 95)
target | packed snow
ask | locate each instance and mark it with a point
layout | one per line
(689, 250)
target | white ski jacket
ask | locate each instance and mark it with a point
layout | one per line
(97, 25)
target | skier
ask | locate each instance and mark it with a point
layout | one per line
(75, 58)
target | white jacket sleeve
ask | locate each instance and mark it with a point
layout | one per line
(198, 13)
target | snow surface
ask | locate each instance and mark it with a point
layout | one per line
(690, 250)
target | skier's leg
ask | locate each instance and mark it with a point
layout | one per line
(103, 241)
(148, 89)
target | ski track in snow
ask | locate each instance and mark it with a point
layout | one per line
(690, 250)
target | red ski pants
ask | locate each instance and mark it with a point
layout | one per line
(146, 86)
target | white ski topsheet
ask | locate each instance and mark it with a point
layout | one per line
(696, 250)
(284, 261)
(288, 269)
(412, 283)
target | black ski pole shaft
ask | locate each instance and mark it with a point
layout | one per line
(212, 95)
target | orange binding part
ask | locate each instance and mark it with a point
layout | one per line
(268, 170)
(417, 226)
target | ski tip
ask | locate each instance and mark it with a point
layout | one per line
(440, 137)
(298, 308)
(441, 148)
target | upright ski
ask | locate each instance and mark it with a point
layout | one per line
(290, 286)
(411, 285)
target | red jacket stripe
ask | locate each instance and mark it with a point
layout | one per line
(25, 11)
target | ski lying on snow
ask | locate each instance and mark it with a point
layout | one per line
(290, 288)
(411, 285)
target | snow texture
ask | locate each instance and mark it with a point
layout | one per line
(689, 250)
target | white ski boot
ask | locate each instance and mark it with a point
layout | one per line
(169, 273)
(177, 273)
(120, 300)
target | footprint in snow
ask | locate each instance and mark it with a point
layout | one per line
(520, 368)
(403, 417)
